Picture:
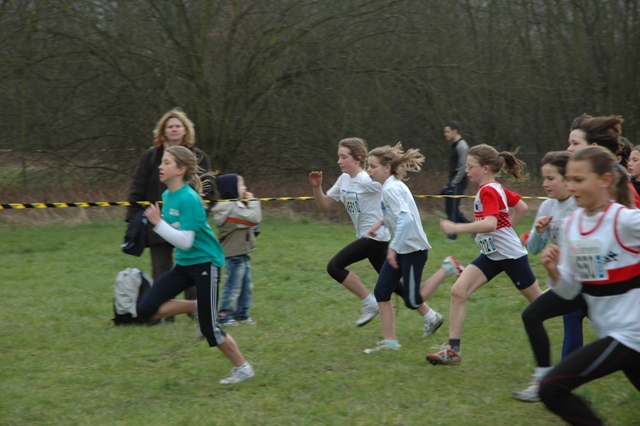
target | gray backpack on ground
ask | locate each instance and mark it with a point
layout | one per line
(130, 286)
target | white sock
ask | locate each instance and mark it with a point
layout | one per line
(540, 372)
(369, 300)
(429, 316)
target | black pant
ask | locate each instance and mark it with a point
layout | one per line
(360, 249)
(206, 278)
(410, 266)
(547, 305)
(452, 205)
(162, 262)
(596, 360)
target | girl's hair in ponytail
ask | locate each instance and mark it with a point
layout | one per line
(186, 158)
(602, 131)
(557, 159)
(625, 151)
(401, 162)
(602, 161)
(497, 161)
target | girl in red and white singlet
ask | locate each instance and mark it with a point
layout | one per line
(501, 249)
(598, 259)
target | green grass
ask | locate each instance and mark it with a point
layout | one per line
(63, 362)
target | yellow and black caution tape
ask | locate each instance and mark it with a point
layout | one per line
(20, 206)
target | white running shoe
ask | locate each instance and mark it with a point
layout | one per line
(433, 326)
(247, 321)
(453, 266)
(379, 347)
(369, 311)
(530, 394)
(239, 374)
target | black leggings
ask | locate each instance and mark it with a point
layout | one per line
(360, 249)
(596, 360)
(547, 305)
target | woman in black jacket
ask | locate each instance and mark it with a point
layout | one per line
(174, 128)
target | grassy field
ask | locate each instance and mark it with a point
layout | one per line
(63, 362)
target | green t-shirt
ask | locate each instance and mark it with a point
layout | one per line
(183, 210)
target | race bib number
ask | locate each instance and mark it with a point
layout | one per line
(588, 260)
(351, 203)
(485, 242)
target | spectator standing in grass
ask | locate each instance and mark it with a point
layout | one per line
(547, 226)
(597, 261)
(501, 250)
(236, 221)
(457, 183)
(199, 256)
(409, 247)
(361, 197)
(173, 129)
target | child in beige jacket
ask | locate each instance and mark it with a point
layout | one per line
(236, 221)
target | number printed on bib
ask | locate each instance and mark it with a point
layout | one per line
(485, 242)
(351, 202)
(588, 260)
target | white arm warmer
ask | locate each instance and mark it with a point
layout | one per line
(180, 239)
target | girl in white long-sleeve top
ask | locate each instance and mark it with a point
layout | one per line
(409, 247)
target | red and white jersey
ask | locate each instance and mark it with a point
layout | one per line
(600, 258)
(493, 199)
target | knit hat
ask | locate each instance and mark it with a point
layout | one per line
(228, 186)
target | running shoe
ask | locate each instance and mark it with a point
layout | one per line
(246, 321)
(239, 374)
(369, 311)
(446, 356)
(380, 346)
(433, 326)
(453, 266)
(530, 394)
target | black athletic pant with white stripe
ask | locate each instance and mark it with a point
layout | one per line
(599, 359)
(206, 278)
